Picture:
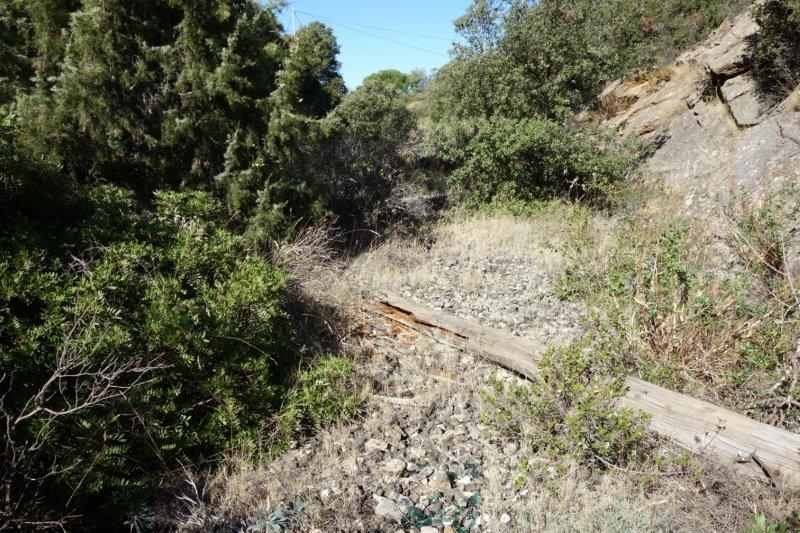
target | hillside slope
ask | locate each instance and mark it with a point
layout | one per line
(712, 133)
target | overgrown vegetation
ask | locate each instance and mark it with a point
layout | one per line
(497, 111)
(153, 155)
(145, 351)
(323, 395)
(630, 268)
(150, 157)
(551, 58)
(569, 411)
(726, 331)
(527, 160)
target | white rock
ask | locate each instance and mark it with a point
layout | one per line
(388, 509)
(466, 480)
(376, 445)
(394, 466)
(416, 453)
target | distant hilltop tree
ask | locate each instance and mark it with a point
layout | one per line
(406, 83)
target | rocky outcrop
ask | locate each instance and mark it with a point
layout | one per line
(713, 137)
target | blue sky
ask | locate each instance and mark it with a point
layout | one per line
(380, 34)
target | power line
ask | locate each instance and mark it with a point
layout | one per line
(373, 35)
(389, 30)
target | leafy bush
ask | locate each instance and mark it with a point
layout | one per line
(532, 159)
(404, 83)
(363, 160)
(648, 34)
(481, 86)
(775, 48)
(140, 356)
(570, 408)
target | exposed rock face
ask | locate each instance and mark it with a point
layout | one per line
(714, 136)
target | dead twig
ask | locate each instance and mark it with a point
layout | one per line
(403, 402)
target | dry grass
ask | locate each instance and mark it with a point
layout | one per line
(465, 238)
(578, 501)
(476, 237)
(388, 266)
(283, 495)
(704, 498)
(310, 258)
(705, 304)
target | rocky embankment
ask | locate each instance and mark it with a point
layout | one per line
(714, 136)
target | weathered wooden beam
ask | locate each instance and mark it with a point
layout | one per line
(752, 448)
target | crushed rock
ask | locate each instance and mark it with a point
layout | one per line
(509, 293)
(422, 458)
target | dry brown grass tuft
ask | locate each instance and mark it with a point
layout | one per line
(581, 501)
(700, 496)
(310, 258)
(237, 491)
(322, 302)
(476, 237)
(283, 495)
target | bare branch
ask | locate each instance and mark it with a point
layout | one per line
(79, 381)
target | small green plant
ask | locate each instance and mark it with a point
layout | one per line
(281, 520)
(324, 394)
(762, 524)
(462, 517)
(570, 409)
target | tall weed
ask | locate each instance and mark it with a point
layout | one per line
(715, 317)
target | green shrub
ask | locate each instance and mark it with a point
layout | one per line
(404, 83)
(570, 409)
(140, 357)
(362, 155)
(535, 159)
(322, 395)
(648, 34)
(775, 48)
